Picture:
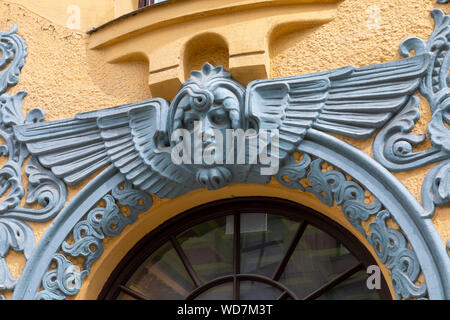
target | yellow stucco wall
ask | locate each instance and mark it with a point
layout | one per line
(63, 12)
(90, 13)
(64, 77)
(245, 27)
(353, 38)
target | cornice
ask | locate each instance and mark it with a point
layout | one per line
(160, 35)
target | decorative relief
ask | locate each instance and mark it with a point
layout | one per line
(391, 247)
(12, 59)
(18, 236)
(138, 139)
(393, 147)
(137, 142)
(43, 187)
(66, 279)
(389, 244)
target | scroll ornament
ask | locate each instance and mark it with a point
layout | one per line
(66, 279)
(353, 102)
(390, 245)
(394, 145)
(43, 188)
(136, 141)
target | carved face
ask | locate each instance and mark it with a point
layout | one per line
(217, 109)
(211, 97)
(210, 100)
(208, 103)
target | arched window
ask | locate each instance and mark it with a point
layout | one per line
(246, 249)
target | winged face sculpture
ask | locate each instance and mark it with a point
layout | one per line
(137, 138)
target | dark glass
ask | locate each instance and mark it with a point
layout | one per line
(317, 260)
(254, 290)
(145, 3)
(274, 256)
(262, 249)
(209, 249)
(162, 276)
(124, 296)
(354, 288)
(220, 292)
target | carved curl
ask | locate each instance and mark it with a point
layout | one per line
(393, 147)
(43, 188)
(389, 244)
(88, 236)
(13, 52)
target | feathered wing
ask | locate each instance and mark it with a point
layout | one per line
(123, 136)
(353, 102)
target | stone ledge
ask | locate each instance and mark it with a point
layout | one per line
(244, 28)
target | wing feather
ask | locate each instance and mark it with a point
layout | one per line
(350, 101)
(123, 136)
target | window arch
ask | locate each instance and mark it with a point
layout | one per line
(246, 248)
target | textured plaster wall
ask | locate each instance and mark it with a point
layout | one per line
(359, 36)
(93, 13)
(122, 7)
(63, 77)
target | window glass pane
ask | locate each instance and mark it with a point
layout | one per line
(252, 290)
(354, 288)
(263, 250)
(220, 292)
(124, 296)
(162, 276)
(265, 237)
(209, 249)
(317, 259)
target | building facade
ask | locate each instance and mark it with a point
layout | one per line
(246, 149)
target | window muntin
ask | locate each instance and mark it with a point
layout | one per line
(146, 3)
(284, 252)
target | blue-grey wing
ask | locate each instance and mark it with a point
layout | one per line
(123, 136)
(351, 101)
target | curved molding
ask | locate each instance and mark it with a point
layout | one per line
(404, 208)
(394, 145)
(45, 194)
(37, 266)
(141, 145)
(391, 194)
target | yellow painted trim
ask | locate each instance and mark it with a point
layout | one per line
(246, 26)
(163, 210)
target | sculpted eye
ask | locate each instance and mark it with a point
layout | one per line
(189, 120)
